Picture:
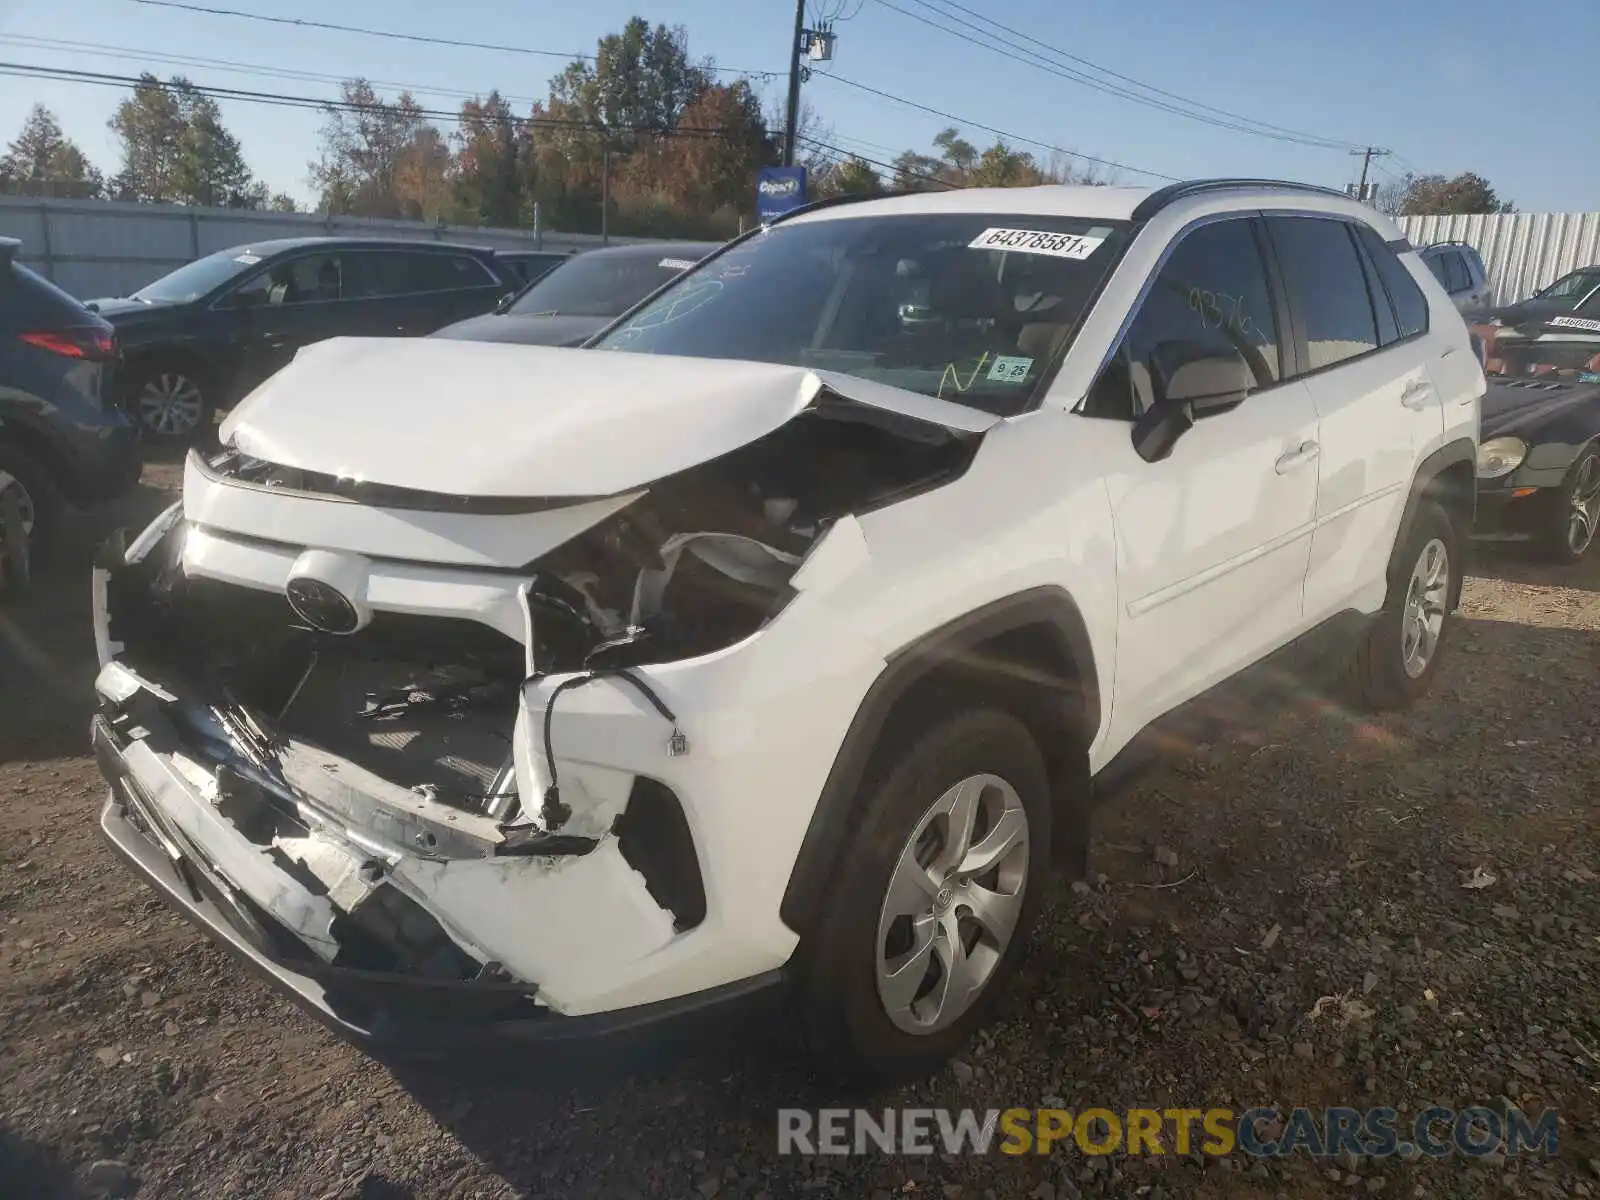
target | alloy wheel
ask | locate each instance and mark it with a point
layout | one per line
(11, 486)
(1583, 513)
(170, 404)
(952, 904)
(1422, 619)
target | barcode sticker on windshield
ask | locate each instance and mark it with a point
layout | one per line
(1576, 323)
(676, 264)
(248, 260)
(1037, 241)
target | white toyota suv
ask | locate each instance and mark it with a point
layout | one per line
(777, 642)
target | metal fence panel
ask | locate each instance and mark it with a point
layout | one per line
(106, 248)
(1522, 252)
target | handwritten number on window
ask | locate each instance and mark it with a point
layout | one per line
(1219, 310)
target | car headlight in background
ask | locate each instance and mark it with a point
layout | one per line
(1500, 456)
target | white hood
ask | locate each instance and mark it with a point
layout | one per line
(485, 419)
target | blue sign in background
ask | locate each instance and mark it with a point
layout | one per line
(778, 189)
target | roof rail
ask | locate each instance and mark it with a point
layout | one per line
(1161, 197)
(1450, 242)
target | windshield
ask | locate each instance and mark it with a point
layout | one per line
(966, 307)
(199, 277)
(1571, 287)
(598, 285)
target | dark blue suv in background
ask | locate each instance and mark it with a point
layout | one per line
(63, 440)
(200, 338)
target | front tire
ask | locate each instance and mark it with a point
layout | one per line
(1569, 528)
(1395, 664)
(934, 901)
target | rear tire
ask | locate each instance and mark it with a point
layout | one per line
(878, 999)
(1569, 526)
(171, 402)
(39, 504)
(1394, 665)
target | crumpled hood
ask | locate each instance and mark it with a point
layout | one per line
(485, 419)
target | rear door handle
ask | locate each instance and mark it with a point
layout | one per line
(1302, 454)
(1417, 395)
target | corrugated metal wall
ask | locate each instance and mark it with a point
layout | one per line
(103, 248)
(1522, 251)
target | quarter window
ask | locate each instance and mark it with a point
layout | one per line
(1410, 306)
(1205, 327)
(1327, 288)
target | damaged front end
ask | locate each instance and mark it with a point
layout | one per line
(424, 754)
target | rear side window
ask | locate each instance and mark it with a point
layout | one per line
(1327, 288)
(1410, 306)
(1208, 314)
(445, 272)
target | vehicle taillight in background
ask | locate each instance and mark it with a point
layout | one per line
(95, 343)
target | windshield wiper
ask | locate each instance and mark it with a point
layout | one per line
(544, 312)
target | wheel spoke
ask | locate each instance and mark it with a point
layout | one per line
(1429, 640)
(958, 980)
(911, 888)
(903, 978)
(1010, 830)
(997, 912)
(963, 813)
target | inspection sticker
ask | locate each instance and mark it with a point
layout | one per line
(1576, 323)
(1037, 241)
(1010, 368)
(676, 264)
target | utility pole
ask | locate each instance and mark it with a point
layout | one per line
(792, 117)
(605, 197)
(1367, 155)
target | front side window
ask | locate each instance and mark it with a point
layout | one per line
(1456, 269)
(304, 280)
(1205, 328)
(1326, 287)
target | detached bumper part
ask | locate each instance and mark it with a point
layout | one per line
(399, 1015)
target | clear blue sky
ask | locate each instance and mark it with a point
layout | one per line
(1450, 85)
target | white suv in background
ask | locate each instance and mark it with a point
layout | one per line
(777, 642)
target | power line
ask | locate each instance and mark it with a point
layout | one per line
(1033, 45)
(316, 104)
(881, 165)
(396, 35)
(999, 133)
(1012, 50)
(235, 67)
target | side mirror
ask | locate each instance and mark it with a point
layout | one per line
(1200, 386)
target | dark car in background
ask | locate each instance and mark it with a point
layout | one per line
(1576, 292)
(583, 295)
(62, 438)
(519, 268)
(1539, 464)
(198, 339)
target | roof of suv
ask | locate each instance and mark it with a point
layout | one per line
(279, 245)
(1080, 200)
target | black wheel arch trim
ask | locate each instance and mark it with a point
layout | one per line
(1451, 454)
(1047, 608)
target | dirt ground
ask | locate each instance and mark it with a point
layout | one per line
(1319, 856)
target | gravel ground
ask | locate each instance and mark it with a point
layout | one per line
(1318, 856)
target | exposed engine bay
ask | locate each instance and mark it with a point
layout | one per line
(700, 561)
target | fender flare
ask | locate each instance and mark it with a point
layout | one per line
(1047, 608)
(1451, 454)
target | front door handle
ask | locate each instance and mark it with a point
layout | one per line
(1302, 454)
(1418, 394)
